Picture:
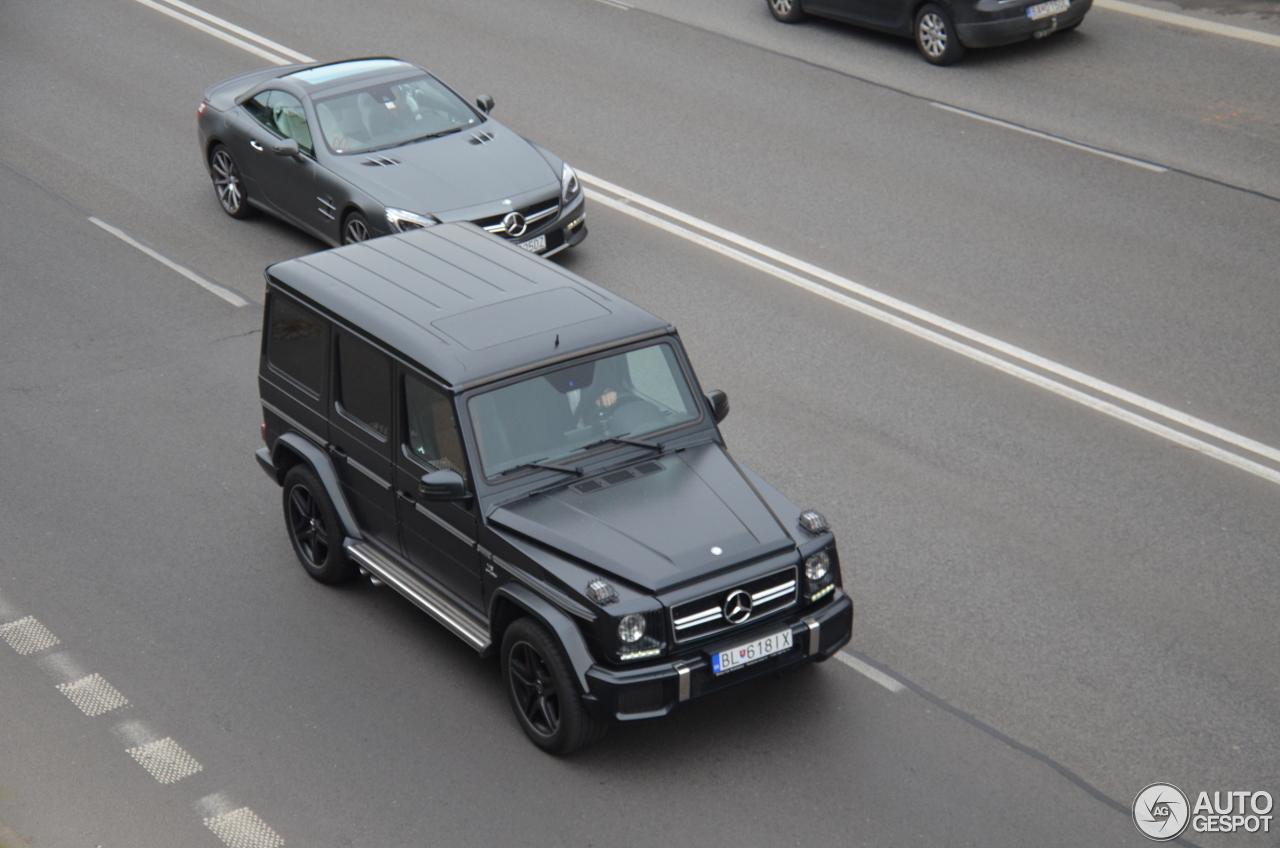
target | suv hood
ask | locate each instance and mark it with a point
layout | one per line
(452, 172)
(655, 531)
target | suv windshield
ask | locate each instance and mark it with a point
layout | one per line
(549, 417)
(391, 114)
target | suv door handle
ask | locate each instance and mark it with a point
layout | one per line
(338, 452)
(254, 144)
(405, 496)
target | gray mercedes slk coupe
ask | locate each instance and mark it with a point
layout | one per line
(362, 148)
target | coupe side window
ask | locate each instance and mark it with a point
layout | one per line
(281, 113)
(364, 384)
(432, 431)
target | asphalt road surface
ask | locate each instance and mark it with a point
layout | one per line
(1031, 384)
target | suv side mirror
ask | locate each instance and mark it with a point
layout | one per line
(285, 147)
(443, 485)
(719, 404)
(485, 103)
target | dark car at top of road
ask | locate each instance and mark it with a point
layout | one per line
(529, 459)
(367, 147)
(942, 29)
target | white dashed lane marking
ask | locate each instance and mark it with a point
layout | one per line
(166, 760)
(93, 695)
(243, 828)
(27, 636)
(870, 672)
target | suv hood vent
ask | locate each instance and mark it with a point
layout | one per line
(380, 161)
(613, 478)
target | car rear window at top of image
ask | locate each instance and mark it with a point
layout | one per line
(297, 344)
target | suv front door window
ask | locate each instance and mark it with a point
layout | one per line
(360, 434)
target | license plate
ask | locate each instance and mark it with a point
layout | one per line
(1044, 10)
(536, 245)
(741, 655)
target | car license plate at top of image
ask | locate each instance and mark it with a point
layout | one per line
(741, 655)
(535, 245)
(1044, 10)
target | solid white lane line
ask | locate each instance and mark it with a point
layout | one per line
(252, 36)
(1032, 377)
(1241, 33)
(931, 319)
(1128, 160)
(869, 672)
(217, 33)
(226, 294)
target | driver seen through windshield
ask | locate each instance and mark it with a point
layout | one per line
(389, 115)
(548, 417)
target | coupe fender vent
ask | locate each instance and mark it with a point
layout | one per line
(613, 478)
(380, 161)
(480, 137)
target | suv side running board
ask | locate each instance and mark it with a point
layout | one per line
(463, 624)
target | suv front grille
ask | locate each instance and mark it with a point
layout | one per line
(706, 615)
(533, 217)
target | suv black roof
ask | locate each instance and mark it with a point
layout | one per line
(463, 304)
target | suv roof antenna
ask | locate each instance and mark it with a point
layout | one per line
(557, 344)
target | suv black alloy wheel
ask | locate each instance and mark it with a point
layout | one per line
(543, 691)
(313, 527)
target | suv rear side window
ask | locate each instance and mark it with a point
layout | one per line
(364, 383)
(432, 431)
(296, 346)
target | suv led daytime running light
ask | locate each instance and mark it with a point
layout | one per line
(639, 655)
(831, 588)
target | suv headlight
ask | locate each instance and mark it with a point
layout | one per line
(402, 220)
(820, 571)
(631, 628)
(569, 185)
(640, 635)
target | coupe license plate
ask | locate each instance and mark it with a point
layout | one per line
(741, 655)
(536, 245)
(1044, 10)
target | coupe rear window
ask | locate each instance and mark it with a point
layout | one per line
(338, 70)
(390, 114)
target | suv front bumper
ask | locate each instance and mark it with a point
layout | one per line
(655, 690)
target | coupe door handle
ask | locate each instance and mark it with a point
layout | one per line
(254, 144)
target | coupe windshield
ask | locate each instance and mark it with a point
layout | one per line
(390, 114)
(582, 404)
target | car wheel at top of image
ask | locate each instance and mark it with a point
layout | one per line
(227, 182)
(543, 692)
(936, 36)
(787, 11)
(313, 527)
(354, 228)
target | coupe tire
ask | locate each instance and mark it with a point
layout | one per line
(228, 184)
(314, 528)
(544, 691)
(787, 11)
(936, 36)
(354, 228)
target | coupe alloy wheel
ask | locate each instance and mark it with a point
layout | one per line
(356, 229)
(227, 183)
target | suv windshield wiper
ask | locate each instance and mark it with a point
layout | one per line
(537, 463)
(608, 440)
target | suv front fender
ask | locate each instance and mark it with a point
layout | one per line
(560, 624)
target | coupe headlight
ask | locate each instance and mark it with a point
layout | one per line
(402, 220)
(817, 566)
(569, 185)
(631, 628)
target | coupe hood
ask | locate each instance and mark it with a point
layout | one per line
(656, 530)
(484, 164)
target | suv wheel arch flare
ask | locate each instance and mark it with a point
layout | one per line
(575, 647)
(323, 468)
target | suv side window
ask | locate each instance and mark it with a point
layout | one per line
(281, 113)
(431, 431)
(297, 342)
(364, 383)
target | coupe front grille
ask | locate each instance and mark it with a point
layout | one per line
(533, 216)
(705, 615)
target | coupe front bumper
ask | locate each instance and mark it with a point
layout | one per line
(655, 690)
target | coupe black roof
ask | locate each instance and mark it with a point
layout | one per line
(463, 304)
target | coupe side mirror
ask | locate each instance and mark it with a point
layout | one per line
(485, 103)
(443, 485)
(719, 404)
(285, 147)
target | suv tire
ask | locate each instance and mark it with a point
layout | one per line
(314, 528)
(543, 691)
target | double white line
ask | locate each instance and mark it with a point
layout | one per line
(1121, 404)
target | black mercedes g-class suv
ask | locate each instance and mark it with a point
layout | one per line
(529, 459)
